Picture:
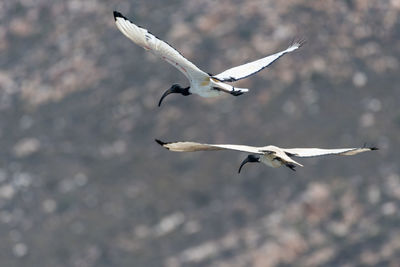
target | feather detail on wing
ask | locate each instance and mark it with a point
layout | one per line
(193, 146)
(248, 69)
(315, 152)
(148, 41)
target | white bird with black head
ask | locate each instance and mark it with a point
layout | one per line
(201, 83)
(272, 156)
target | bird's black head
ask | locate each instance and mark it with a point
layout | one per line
(250, 158)
(175, 89)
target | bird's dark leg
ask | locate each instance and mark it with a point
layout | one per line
(291, 166)
(236, 93)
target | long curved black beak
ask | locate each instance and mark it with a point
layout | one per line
(169, 91)
(250, 158)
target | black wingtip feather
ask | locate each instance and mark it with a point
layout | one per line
(118, 15)
(299, 40)
(371, 148)
(161, 143)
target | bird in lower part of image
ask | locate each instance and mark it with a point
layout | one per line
(201, 83)
(272, 156)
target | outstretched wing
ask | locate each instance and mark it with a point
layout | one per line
(148, 41)
(248, 69)
(193, 146)
(315, 152)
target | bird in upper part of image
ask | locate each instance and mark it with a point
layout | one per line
(272, 156)
(201, 83)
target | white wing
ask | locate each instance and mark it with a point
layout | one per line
(148, 41)
(248, 69)
(315, 152)
(193, 146)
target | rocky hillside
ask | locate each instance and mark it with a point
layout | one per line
(82, 182)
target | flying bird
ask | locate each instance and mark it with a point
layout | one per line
(201, 83)
(272, 156)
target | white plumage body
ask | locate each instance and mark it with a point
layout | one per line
(205, 88)
(270, 160)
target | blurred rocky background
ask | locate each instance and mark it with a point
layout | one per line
(82, 182)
